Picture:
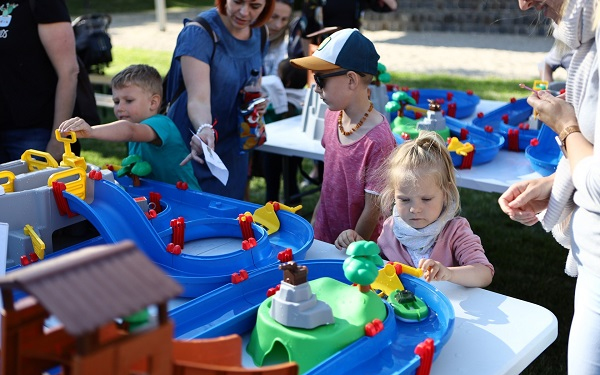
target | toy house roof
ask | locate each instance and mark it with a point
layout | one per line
(88, 288)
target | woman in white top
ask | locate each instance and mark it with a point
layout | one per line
(568, 202)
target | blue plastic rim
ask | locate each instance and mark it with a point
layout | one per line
(545, 156)
(465, 103)
(232, 309)
(518, 112)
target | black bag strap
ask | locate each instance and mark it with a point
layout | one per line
(206, 26)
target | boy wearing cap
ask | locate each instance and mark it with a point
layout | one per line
(357, 138)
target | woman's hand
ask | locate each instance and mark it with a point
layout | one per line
(206, 135)
(552, 110)
(524, 200)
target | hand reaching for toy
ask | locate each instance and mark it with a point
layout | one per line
(78, 125)
(346, 238)
(434, 271)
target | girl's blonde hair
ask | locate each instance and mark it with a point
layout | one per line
(425, 155)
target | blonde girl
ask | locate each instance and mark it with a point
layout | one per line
(424, 230)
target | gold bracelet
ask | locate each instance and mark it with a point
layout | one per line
(562, 137)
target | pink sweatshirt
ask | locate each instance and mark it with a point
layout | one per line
(456, 245)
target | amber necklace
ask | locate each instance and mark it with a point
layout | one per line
(358, 125)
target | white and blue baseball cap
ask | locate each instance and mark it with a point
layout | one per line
(345, 49)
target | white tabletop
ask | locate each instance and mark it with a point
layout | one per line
(285, 137)
(493, 334)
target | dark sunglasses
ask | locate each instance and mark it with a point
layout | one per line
(320, 78)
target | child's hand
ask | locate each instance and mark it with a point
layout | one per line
(81, 128)
(434, 271)
(346, 238)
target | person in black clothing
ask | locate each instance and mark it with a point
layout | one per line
(39, 76)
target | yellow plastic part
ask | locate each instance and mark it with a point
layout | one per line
(9, 185)
(39, 246)
(409, 107)
(387, 281)
(539, 84)
(75, 187)
(69, 158)
(289, 208)
(416, 272)
(36, 164)
(115, 167)
(460, 148)
(267, 217)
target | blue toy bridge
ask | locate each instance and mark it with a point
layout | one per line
(117, 217)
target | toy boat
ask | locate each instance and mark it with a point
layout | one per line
(210, 239)
(543, 152)
(233, 309)
(514, 121)
(486, 144)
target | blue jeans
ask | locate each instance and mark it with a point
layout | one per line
(14, 142)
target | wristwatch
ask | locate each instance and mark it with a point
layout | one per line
(562, 137)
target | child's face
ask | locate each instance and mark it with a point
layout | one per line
(419, 203)
(132, 103)
(331, 85)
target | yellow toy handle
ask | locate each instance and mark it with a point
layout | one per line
(8, 186)
(75, 187)
(289, 208)
(69, 159)
(39, 246)
(43, 161)
(413, 108)
(416, 272)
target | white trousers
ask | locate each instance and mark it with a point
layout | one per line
(584, 337)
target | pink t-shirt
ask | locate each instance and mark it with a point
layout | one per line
(456, 245)
(348, 175)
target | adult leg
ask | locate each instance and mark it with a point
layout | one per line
(294, 165)
(272, 169)
(584, 337)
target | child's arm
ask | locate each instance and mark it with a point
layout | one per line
(346, 238)
(474, 275)
(118, 131)
(368, 218)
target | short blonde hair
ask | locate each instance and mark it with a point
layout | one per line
(408, 162)
(144, 76)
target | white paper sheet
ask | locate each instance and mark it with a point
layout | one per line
(216, 166)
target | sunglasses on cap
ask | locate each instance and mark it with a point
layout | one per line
(320, 78)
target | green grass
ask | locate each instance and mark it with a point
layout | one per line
(529, 263)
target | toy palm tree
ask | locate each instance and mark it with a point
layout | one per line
(134, 167)
(361, 266)
(400, 99)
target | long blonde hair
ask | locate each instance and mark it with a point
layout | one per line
(427, 153)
